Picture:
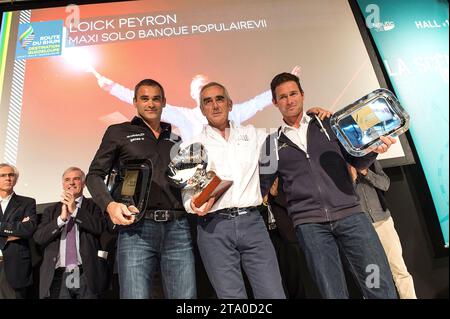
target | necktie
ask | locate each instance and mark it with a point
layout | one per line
(1, 210)
(71, 244)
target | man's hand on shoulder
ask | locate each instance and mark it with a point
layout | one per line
(320, 112)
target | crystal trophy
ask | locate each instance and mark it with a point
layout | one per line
(187, 170)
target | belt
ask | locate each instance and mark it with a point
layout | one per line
(164, 215)
(233, 211)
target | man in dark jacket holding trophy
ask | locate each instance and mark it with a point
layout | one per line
(162, 235)
(322, 203)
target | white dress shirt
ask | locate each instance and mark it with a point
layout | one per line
(298, 136)
(5, 201)
(235, 159)
(61, 259)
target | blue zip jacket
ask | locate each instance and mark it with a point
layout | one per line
(317, 184)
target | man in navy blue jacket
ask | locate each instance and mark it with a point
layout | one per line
(312, 166)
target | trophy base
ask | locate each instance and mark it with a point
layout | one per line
(215, 188)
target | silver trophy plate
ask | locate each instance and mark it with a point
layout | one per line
(360, 125)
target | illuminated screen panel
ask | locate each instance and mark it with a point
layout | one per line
(412, 38)
(63, 86)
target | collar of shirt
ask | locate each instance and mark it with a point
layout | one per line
(5, 201)
(79, 201)
(7, 198)
(304, 121)
(298, 135)
(166, 128)
(210, 131)
(235, 159)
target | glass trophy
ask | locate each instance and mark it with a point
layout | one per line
(187, 170)
(360, 125)
(131, 185)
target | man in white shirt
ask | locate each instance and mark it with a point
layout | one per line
(231, 230)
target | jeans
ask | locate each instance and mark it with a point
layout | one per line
(226, 243)
(355, 239)
(141, 247)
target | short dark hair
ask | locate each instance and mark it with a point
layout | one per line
(149, 82)
(283, 78)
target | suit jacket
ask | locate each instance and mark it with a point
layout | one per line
(17, 253)
(91, 224)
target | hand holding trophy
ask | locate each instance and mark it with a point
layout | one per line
(188, 171)
(130, 189)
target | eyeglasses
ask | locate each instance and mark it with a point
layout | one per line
(12, 175)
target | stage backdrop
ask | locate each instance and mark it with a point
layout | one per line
(64, 81)
(412, 38)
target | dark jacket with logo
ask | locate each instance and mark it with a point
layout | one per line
(129, 141)
(317, 185)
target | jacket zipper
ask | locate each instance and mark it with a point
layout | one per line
(325, 209)
(318, 188)
(314, 177)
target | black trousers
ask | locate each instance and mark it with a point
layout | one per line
(6, 291)
(70, 285)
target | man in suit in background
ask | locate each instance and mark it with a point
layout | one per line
(17, 225)
(74, 266)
